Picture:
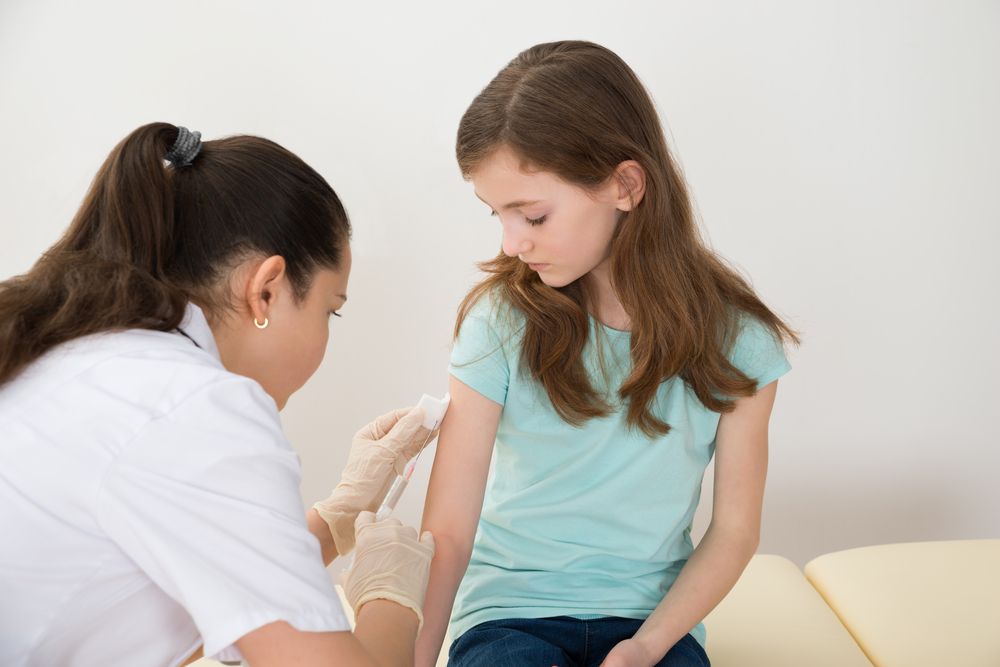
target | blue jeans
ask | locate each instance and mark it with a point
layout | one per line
(561, 640)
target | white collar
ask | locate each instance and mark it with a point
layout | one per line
(195, 326)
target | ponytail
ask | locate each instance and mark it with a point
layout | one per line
(150, 236)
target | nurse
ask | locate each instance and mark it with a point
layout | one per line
(149, 502)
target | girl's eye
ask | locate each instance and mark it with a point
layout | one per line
(335, 313)
(531, 221)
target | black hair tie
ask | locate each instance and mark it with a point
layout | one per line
(185, 148)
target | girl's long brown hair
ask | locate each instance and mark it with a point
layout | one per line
(577, 110)
(149, 237)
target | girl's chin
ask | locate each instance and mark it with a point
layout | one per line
(554, 280)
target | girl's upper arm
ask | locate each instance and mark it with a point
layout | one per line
(741, 464)
(461, 465)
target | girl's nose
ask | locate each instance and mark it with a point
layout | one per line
(515, 244)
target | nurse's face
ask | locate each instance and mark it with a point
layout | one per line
(283, 355)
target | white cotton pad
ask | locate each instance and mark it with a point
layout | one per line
(434, 409)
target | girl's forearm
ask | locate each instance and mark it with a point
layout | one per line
(710, 573)
(447, 569)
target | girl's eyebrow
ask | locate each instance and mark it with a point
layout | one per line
(513, 204)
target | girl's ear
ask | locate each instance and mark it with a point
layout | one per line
(631, 179)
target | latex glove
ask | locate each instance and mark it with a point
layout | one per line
(379, 452)
(390, 564)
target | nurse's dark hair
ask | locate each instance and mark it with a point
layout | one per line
(149, 237)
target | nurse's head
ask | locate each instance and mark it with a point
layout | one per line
(239, 226)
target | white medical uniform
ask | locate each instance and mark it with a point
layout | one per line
(149, 502)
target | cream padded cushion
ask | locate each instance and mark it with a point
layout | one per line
(774, 618)
(924, 603)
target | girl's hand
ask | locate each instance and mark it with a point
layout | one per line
(629, 653)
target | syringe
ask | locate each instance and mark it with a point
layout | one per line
(434, 410)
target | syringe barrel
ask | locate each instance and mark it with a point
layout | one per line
(391, 498)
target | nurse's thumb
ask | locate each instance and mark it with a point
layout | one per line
(364, 519)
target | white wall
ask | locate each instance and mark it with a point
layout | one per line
(844, 154)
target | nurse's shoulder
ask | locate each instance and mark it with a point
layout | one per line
(139, 366)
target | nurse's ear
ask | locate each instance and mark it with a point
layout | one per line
(266, 283)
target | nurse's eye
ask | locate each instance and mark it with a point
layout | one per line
(535, 221)
(335, 313)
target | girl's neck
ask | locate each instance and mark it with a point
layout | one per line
(604, 303)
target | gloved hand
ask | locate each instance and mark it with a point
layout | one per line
(390, 564)
(379, 452)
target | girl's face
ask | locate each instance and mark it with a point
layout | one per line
(558, 229)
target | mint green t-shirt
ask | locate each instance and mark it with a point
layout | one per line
(590, 521)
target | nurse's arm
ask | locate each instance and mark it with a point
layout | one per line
(454, 501)
(319, 527)
(384, 635)
(732, 536)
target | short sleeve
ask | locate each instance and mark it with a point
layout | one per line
(479, 357)
(205, 500)
(758, 353)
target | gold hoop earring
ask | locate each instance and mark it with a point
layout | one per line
(259, 325)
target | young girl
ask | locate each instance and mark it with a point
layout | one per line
(606, 357)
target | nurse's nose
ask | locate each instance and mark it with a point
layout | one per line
(515, 244)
